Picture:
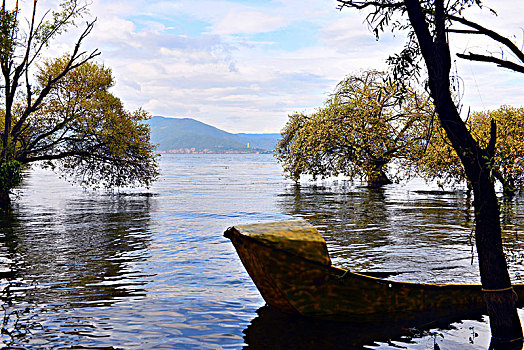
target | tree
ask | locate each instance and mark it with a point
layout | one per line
(100, 143)
(367, 123)
(437, 160)
(508, 164)
(428, 23)
(63, 115)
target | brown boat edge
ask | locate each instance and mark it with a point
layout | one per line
(289, 263)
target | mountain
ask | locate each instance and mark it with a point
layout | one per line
(186, 135)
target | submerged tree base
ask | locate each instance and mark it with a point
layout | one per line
(5, 203)
(497, 344)
(378, 180)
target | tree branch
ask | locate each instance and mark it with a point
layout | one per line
(71, 64)
(490, 149)
(420, 27)
(62, 155)
(463, 31)
(500, 62)
(360, 5)
(490, 33)
(55, 30)
(20, 68)
(59, 126)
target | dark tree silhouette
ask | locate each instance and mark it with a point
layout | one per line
(428, 23)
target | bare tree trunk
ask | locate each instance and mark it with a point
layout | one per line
(501, 300)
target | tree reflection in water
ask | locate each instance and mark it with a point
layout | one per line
(84, 255)
(275, 330)
(82, 262)
(426, 235)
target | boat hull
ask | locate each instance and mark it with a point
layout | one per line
(294, 284)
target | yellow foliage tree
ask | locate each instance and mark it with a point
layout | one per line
(508, 163)
(437, 160)
(367, 123)
(60, 112)
(84, 131)
(428, 25)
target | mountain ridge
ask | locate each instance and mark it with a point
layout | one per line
(188, 135)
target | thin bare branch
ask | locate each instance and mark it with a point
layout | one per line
(498, 61)
(56, 156)
(71, 64)
(490, 149)
(360, 5)
(463, 31)
(53, 130)
(490, 33)
(45, 40)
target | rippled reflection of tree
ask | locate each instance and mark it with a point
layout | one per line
(392, 228)
(87, 254)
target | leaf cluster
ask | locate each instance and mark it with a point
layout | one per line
(10, 175)
(59, 21)
(8, 33)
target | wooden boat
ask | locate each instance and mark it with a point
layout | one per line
(289, 263)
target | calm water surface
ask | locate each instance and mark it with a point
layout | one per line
(150, 269)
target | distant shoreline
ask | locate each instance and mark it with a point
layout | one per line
(208, 151)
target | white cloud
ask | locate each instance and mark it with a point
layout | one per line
(221, 62)
(116, 31)
(242, 22)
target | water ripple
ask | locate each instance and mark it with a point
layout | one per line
(151, 270)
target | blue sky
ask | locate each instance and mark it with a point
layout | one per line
(243, 66)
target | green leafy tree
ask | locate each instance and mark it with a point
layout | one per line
(59, 112)
(428, 23)
(368, 123)
(99, 142)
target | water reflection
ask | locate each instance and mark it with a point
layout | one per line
(426, 235)
(274, 330)
(139, 271)
(86, 254)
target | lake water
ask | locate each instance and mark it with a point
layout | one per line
(150, 269)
